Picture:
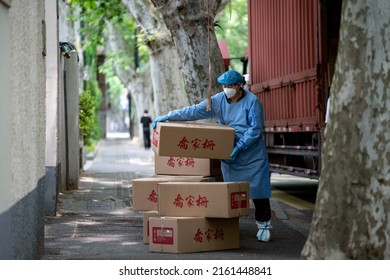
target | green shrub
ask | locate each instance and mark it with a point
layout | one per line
(88, 119)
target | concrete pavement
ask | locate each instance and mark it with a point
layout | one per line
(95, 222)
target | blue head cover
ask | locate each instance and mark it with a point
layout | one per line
(230, 77)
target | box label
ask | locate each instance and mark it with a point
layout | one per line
(162, 235)
(238, 200)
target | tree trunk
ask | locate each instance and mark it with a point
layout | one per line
(191, 24)
(141, 95)
(351, 219)
(141, 92)
(166, 75)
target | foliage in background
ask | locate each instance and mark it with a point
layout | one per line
(90, 101)
(88, 118)
(233, 21)
(124, 59)
(94, 16)
(91, 30)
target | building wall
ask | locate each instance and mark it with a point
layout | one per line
(53, 162)
(71, 86)
(23, 154)
(67, 33)
(5, 128)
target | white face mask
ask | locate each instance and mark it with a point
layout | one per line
(229, 92)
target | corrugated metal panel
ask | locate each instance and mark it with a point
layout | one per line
(283, 55)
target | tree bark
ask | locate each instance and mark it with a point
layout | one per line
(351, 219)
(166, 75)
(191, 24)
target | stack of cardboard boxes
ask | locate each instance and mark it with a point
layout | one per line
(187, 207)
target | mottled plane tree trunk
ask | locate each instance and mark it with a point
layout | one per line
(191, 24)
(165, 70)
(137, 84)
(351, 219)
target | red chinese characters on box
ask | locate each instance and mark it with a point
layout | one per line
(190, 201)
(208, 235)
(195, 144)
(155, 138)
(180, 162)
(170, 165)
(153, 196)
(145, 223)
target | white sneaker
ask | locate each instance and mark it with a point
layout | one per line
(263, 233)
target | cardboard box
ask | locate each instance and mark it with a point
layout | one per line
(144, 190)
(204, 199)
(146, 216)
(169, 165)
(182, 139)
(193, 234)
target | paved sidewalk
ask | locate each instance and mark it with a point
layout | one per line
(96, 221)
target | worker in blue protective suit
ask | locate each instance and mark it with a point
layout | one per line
(241, 110)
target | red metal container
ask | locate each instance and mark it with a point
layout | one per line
(292, 50)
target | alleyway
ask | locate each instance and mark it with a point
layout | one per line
(96, 221)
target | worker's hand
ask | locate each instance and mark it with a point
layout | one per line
(159, 119)
(234, 153)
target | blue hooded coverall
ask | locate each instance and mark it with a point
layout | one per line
(246, 117)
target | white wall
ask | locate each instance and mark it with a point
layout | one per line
(53, 163)
(5, 128)
(23, 130)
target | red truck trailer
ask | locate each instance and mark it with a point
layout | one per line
(292, 54)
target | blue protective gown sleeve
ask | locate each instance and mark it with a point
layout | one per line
(192, 113)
